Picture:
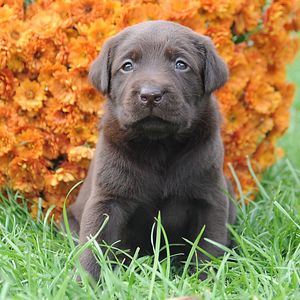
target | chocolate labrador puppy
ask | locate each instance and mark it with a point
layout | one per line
(160, 148)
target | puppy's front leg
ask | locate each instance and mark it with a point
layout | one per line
(215, 219)
(214, 215)
(95, 212)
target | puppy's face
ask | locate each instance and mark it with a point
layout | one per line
(156, 75)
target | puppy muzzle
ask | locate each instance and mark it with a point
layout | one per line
(154, 127)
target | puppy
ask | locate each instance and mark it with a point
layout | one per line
(160, 148)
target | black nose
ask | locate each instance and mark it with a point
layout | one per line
(151, 95)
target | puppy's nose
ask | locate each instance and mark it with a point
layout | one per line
(151, 95)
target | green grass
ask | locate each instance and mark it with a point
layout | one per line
(39, 262)
(291, 140)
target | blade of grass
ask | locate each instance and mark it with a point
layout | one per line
(156, 251)
(286, 214)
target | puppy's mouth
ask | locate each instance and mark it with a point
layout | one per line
(155, 127)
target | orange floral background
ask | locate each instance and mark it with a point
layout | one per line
(49, 110)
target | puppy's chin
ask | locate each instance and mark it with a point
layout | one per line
(154, 128)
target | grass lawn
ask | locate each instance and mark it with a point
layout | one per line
(291, 140)
(37, 261)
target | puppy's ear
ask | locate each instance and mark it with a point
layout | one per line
(215, 71)
(100, 70)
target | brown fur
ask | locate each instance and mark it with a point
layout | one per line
(152, 156)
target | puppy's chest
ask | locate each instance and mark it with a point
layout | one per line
(180, 185)
(175, 218)
(181, 178)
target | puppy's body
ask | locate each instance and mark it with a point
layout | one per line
(160, 147)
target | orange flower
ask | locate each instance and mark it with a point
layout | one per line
(275, 74)
(58, 184)
(262, 96)
(287, 91)
(4, 161)
(255, 62)
(89, 100)
(56, 146)
(235, 118)
(62, 91)
(79, 78)
(53, 145)
(281, 116)
(6, 84)
(177, 10)
(60, 117)
(248, 17)
(5, 47)
(26, 174)
(6, 115)
(276, 17)
(51, 72)
(7, 140)
(277, 48)
(220, 8)
(37, 52)
(15, 29)
(81, 53)
(29, 143)
(69, 171)
(24, 118)
(97, 31)
(249, 136)
(226, 98)
(281, 119)
(246, 180)
(49, 110)
(86, 11)
(8, 12)
(196, 22)
(45, 24)
(12, 9)
(223, 41)
(294, 24)
(287, 52)
(240, 72)
(62, 7)
(76, 154)
(60, 175)
(56, 195)
(29, 95)
(135, 13)
(84, 131)
(264, 156)
(15, 62)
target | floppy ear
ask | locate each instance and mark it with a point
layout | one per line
(100, 70)
(215, 72)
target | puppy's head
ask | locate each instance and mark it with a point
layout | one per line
(156, 76)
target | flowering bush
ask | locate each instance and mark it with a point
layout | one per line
(49, 110)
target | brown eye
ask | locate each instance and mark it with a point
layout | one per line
(181, 65)
(127, 67)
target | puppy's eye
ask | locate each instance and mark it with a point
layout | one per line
(181, 65)
(127, 66)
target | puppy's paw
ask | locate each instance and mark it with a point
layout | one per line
(203, 276)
